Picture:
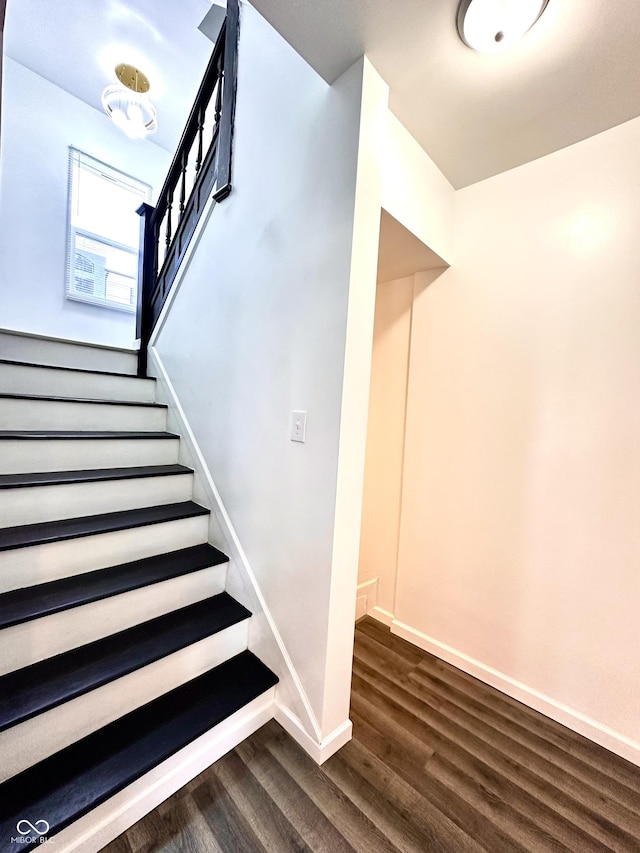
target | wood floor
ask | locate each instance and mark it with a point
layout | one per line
(438, 762)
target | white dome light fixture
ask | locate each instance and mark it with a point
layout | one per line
(127, 103)
(491, 26)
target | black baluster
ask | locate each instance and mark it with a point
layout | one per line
(218, 100)
(200, 130)
(156, 250)
(183, 188)
(167, 240)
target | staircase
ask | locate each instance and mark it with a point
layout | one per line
(120, 651)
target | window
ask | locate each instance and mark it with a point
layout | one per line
(103, 233)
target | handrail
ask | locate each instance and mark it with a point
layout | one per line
(163, 241)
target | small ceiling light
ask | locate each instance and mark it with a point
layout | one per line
(491, 26)
(127, 103)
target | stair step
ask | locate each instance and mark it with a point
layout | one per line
(35, 738)
(55, 478)
(40, 497)
(23, 377)
(45, 496)
(9, 361)
(48, 398)
(68, 784)
(24, 605)
(74, 435)
(37, 688)
(34, 640)
(32, 554)
(65, 450)
(48, 351)
(27, 412)
(27, 535)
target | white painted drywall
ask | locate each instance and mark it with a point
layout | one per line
(3, 5)
(39, 122)
(520, 533)
(385, 439)
(415, 192)
(373, 111)
(258, 328)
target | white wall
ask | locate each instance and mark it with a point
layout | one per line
(39, 122)
(258, 327)
(519, 546)
(3, 5)
(352, 440)
(385, 444)
(414, 190)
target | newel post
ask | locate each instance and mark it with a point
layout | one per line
(147, 270)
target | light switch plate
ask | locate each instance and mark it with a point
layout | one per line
(298, 426)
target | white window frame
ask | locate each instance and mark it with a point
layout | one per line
(118, 177)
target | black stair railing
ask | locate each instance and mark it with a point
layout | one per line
(200, 169)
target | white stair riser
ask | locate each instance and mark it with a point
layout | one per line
(50, 503)
(17, 414)
(43, 350)
(21, 456)
(29, 642)
(36, 564)
(24, 379)
(41, 736)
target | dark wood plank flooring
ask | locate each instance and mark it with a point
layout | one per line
(438, 762)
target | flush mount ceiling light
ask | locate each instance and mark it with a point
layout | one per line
(491, 26)
(127, 102)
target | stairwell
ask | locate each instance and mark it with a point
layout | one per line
(124, 664)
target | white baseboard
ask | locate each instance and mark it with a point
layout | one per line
(320, 752)
(95, 830)
(382, 615)
(367, 603)
(566, 716)
(366, 597)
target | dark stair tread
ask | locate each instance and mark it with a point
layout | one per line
(51, 478)
(75, 780)
(76, 369)
(53, 399)
(22, 605)
(58, 434)
(73, 528)
(48, 683)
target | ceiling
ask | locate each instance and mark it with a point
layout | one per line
(575, 74)
(77, 43)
